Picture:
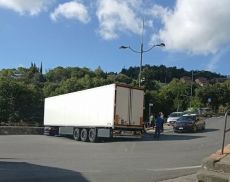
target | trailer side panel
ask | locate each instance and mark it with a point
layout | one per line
(90, 108)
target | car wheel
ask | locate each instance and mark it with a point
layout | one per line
(203, 128)
(92, 135)
(194, 129)
(76, 134)
(84, 135)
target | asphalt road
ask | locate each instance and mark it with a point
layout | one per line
(26, 158)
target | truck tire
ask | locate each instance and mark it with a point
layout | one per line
(77, 134)
(92, 135)
(84, 135)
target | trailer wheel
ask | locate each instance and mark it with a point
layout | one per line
(84, 135)
(92, 135)
(76, 134)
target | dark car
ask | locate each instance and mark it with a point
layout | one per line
(189, 122)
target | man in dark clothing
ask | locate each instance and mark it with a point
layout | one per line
(158, 123)
(162, 123)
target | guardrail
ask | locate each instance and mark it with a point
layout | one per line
(225, 130)
(20, 130)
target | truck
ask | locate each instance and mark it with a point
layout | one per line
(102, 112)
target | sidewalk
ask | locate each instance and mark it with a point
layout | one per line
(216, 167)
(189, 178)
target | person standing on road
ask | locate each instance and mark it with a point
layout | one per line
(158, 127)
(162, 123)
(151, 121)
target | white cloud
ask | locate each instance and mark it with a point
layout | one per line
(195, 26)
(71, 10)
(32, 7)
(118, 16)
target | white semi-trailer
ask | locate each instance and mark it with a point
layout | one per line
(106, 111)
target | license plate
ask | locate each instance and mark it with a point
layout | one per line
(126, 132)
(181, 128)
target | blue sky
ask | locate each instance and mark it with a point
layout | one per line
(88, 33)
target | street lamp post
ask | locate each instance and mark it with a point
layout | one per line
(141, 51)
(191, 91)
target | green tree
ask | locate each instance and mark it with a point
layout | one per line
(100, 73)
(57, 74)
(20, 102)
(176, 94)
(121, 78)
(218, 93)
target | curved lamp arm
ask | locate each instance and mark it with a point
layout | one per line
(156, 45)
(128, 47)
(142, 51)
(134, 50)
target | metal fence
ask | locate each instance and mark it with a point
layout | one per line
(225, 129)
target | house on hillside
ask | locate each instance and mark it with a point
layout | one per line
(186, 79)
(201, 81)
(17, 75)
(218, 80)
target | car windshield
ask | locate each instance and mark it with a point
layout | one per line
(186, 119)
(175, 114)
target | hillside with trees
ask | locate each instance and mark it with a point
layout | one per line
(22, 90)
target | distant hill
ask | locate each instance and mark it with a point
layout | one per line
(167, 74)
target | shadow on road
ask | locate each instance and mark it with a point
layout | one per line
(172, 137)
(26, 172)
(207, 130)
(210, 130)
(150, 137)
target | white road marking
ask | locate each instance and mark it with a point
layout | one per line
(175, 168)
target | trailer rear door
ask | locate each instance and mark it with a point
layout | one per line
(129, 106)
(137, 106)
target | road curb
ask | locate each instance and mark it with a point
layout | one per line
(216, 167)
